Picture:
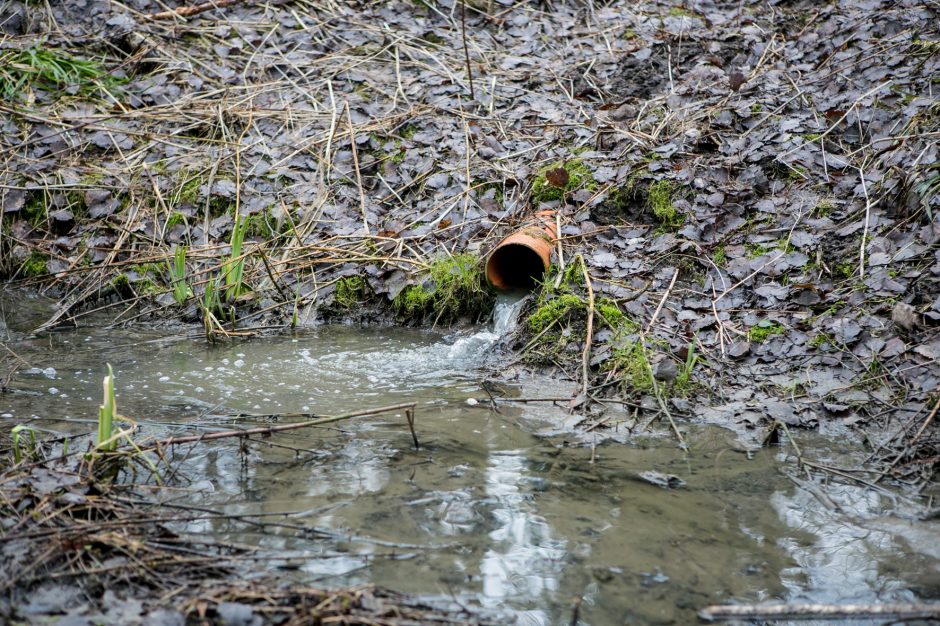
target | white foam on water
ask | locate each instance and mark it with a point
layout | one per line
(505, 319)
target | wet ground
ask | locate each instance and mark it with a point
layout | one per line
(503, 510)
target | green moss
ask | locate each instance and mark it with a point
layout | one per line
(189, 189)
(660, 199)
(579, 176)
(175, 219)
(574, 275)
(219, 206)
(121, 282)
(755, 250)
(351, 291)
(764, 330)
(622, 198)
(455, 287)
(823, 208)
(631, 361)
(553, 310)
(398, 154)
(432, 38)
(681, 12)
(756, 107)
(35, 209)
(143, 269)
(719, 256)
(611, 315)
(796, 173)
(845, 270)
(414, 300)
(408, 131)
(482, 187)
(260, 224)
(35, 265)
(147, 287)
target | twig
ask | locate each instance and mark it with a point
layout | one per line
(920, 431)
(191, 10)
(410, 416)
(861, 246)
(355, 156)
(466, 50)
(659, 308)
(923, 427)
(586, 353)
(282, 427)
(656, 390)
(820, 611)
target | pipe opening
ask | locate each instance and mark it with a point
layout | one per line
(514, 266)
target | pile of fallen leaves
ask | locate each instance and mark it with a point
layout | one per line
(761, 176)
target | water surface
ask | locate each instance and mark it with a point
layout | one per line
(487, 511)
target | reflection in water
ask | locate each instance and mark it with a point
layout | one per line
(485, 512)
(523, 561)
(844, 548)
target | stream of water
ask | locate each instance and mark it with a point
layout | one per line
(496, 509)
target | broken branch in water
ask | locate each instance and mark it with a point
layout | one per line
(192, 10)
(904, 611)
(267, 430)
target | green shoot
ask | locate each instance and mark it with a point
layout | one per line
(235, 266)
(106, 413)
(684, 378)
(17, 433)
(181, 290)
(50, 69)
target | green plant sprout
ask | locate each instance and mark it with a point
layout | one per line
(50, 69)
(235, 266)
(181, 290)
(106, 412)
(29, 446)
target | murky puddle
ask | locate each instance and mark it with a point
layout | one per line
(487, 511)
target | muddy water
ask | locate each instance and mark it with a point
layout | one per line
(493, 510)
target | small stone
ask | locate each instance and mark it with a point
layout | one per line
(666, 371)
(472, 402)
(904, 315)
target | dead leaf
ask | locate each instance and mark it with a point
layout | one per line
(557, 177)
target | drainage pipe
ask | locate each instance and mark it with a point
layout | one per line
(520, 260)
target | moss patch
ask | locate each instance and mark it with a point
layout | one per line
(455, 288)
(631, 361)
(579, 176)
(35, 265)
(351, 291)
(764, 330)
(553, 310)
(719, 256)
(660, 198)
(175, 219)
